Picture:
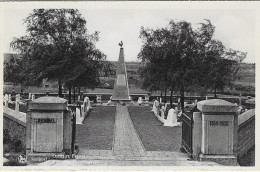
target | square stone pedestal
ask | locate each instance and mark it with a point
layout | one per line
(227, 160)
(219, 131)
(49, 128)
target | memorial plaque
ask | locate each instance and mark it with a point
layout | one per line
(218, 123)
(45, 120)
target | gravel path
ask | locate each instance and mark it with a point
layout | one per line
(97, 131)
(153, 135)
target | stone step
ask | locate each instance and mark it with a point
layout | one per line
(75, 162)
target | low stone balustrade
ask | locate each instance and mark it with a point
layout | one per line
(246, 132)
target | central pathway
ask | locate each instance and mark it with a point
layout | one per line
(127, 150)
(126, 143)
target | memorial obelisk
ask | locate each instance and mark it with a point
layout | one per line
(121, 91)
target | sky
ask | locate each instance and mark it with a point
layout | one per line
(235, 28)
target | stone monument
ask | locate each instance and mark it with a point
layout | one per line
(121, 91)
(172, 118)
(99, 100)
(219, 130)
(140, 100)
(155, 106)
(48, 128)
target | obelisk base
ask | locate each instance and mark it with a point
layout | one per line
(122, 101)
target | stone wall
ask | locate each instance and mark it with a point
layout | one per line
(246, 132)
(14, 134)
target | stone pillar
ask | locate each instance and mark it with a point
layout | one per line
(33, 97)
(140, 100)
(99, 102)
(179, 103)
(17, 100)
(30, 96)
(146, 98)
(48, 126)
(9, 97)
(86, 107)
(219, 131)
(196, 134)
(81, 95)
(6, 100)
(240, 100)
(196, 101)
(154, 109)
(162, 110)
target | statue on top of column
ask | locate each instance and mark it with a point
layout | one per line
(121, 44)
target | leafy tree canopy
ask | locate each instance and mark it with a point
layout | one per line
(58, 47)
(180, 57)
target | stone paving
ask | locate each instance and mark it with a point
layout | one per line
(126, 143)
(127, 150)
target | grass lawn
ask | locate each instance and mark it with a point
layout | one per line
(153, 135)
(97, 131)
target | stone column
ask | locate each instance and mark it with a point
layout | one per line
(146, 98)
(196, 134)
(196, 101)
(219, 131)
(81, 95)
(33, 97)
(6, 100)
(48, 126)
(9, 97)
(240, 100)
(140, 100)
(17, 100)
(99, 102)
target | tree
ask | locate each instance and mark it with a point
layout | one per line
(14, 71)
(59, 48)
(222, 65)
(178, 47)
(85, 66)
(184, 57)
(155, 61)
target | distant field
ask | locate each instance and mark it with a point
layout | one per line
(29, 89)
(236, 92)
(247, 79)
(245, 83)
